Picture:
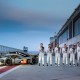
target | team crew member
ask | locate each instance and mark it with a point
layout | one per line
(57, 54)
(78, 54)
(72, 55)
(65, 54)
(49, 54)
(41, 54)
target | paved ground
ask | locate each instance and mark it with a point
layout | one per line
(4, 69)
(34, 72)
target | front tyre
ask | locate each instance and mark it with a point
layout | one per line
(8, 62)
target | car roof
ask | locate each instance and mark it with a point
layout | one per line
(11, 54)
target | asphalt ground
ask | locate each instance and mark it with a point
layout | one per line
(35, 72)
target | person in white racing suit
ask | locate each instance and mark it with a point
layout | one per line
(49, 54)
(57, 52)
(72, 55)
(41, 54)
(65, 54)
(78, 54)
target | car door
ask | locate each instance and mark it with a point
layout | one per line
(18, 59)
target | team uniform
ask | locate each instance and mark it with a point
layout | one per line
(49, 56)
(78, 54)
(57, 55)
(41, 55)
(72, 55)
(65, 55)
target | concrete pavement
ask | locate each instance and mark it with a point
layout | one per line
(34, 72)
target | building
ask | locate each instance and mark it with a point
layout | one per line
(25, 49)
(5, 49)
(70, 32)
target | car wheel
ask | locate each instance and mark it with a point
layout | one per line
(8, 62)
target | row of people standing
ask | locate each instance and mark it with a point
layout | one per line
(58, 50)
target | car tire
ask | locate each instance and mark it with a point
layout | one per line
(8, 62)
(34, 60)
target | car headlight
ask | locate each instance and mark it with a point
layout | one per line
(2, 61)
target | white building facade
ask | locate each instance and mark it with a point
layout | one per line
(70, 32)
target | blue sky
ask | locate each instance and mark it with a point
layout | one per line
(30, 22)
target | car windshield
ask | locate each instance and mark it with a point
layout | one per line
(7, 56)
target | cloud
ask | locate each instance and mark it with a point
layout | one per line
(28, 17)
(15, 19)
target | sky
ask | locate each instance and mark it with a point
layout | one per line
(30, 22)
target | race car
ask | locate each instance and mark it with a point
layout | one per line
(11, 59)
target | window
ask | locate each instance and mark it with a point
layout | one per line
(77, 27)
(70, 30)
(64, 37)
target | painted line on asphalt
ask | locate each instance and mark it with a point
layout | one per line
(7, 72)
(1, 67)
(6, 69)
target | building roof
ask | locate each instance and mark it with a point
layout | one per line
(64, 26)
